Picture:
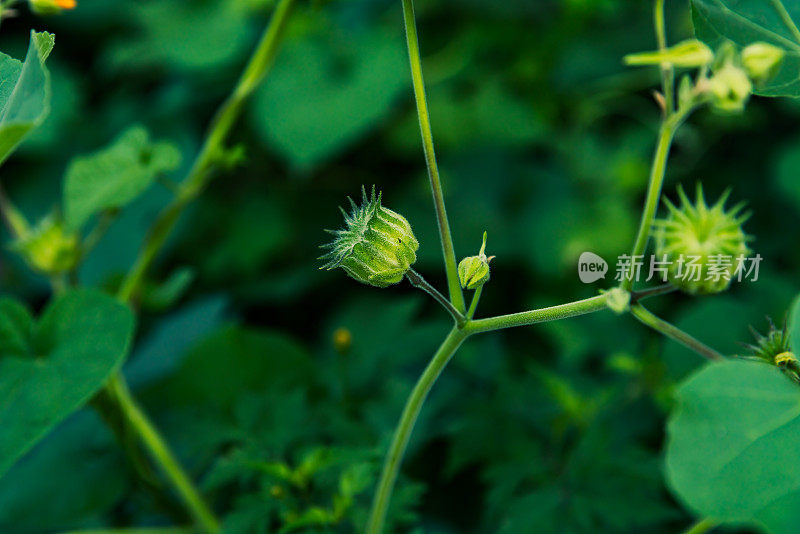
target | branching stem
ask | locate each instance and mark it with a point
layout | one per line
(456, 295)
(419, 282)
(671, 331)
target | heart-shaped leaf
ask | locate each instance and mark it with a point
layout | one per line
(24, 93)
(51, 368)
(113, 176)
(733, 442)
(747, 21)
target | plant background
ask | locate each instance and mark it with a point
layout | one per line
(544, 140)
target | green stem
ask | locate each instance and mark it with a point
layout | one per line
(474, 304)
(419, 282)
(403, 431)
(456, 296)
(542, 315)
(118, 391)
(663, 289)
(220, 128)
(667, 74)
(190, 188)
(673, 332)
(15, 221)
(657, 172)
(702, 526)
(154, 530)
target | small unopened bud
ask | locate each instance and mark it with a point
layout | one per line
(688, 54)
(377, 247)
(473, 271)
(730, 88)
(51, 7)
(762, 60)
(49, 247)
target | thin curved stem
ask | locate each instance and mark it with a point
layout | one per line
(144, 530)
(161, 455)
(702, 526)
(655, 291)
(116, 390)
(404, 428)
(655, 183)
(474, 304)
(562, 311)
(667, 73)
(671, 331)
(456, 295)
(419, 282)
(13, 218)
(204, 164)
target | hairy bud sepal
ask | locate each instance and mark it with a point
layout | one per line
(701, 243)
(377, 247)
(473, 271)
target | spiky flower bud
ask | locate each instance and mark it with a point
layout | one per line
(377, 247)
(702, 244)
(49, 248)
(473, 271)
(762, 60)
(774, 348)
(51, 7)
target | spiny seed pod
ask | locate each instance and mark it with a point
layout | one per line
(49, 247)
(774, 348)
(377, 247)
(51, 7)
(701, 243)
(762, 60)
(473, 271)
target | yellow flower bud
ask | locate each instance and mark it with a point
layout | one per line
(762, 60)
(51, 7)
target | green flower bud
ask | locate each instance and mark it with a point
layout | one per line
(377, 247)
(701, 243)
(689, 54)
(730, 88)
(49, 248)
(473, 271)
(762, 60)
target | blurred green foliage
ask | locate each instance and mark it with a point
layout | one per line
(544, 140)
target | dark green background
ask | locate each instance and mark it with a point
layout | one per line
(544, 141)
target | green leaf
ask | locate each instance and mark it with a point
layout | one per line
(24, 93)
(747, 21)
(114, 176)
(327, 90)
(57, 365)
(82, 455)
(733, 442)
